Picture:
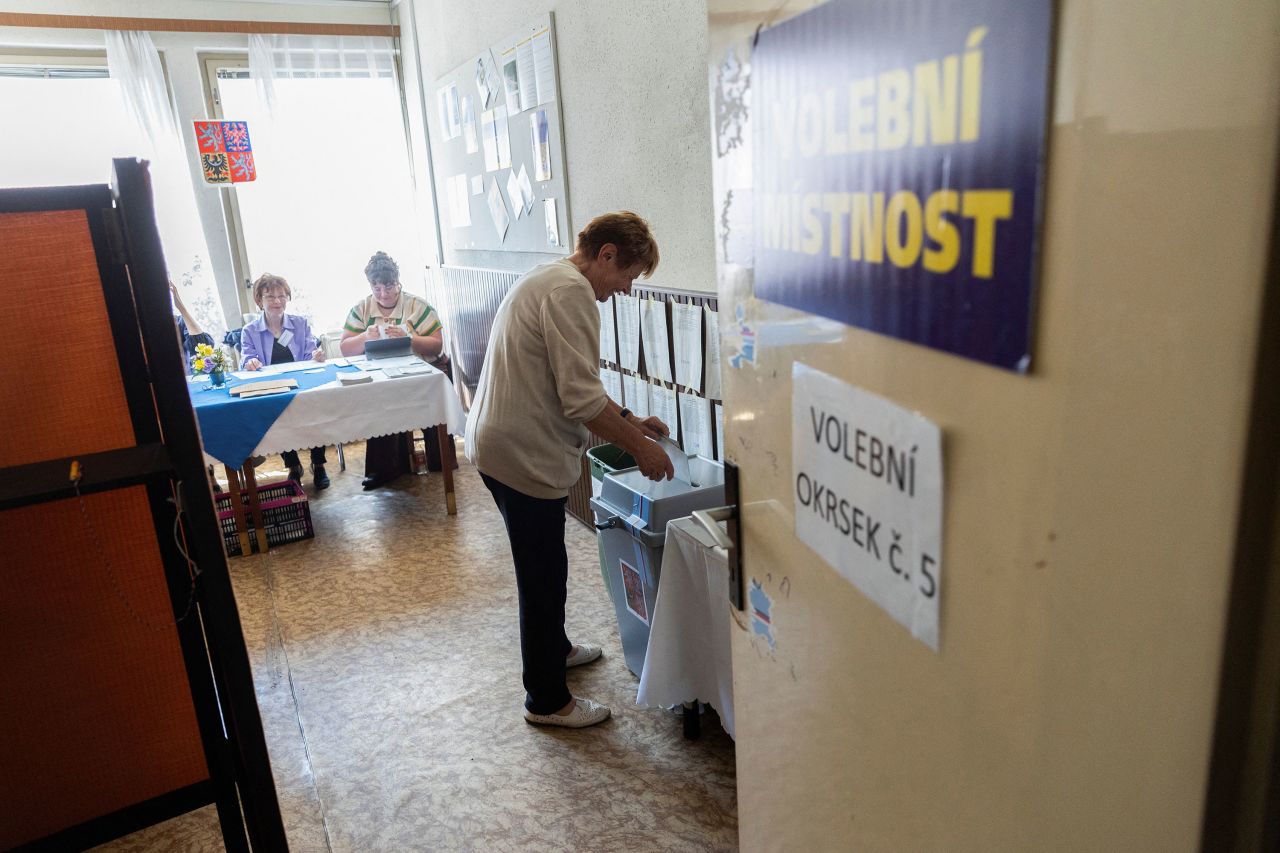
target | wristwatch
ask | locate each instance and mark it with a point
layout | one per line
(626, 413)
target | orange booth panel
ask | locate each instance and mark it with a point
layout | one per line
(59, 372)
(96, 710)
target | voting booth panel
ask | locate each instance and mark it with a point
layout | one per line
(111, 640)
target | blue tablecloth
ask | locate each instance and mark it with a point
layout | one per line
(231, 428)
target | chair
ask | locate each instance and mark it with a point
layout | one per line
(231, 340)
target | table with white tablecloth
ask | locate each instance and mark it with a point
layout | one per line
(335, 414)
(689, 656)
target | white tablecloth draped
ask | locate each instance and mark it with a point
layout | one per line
(689, 653)
(336, 413)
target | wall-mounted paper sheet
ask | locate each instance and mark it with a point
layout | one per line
(553, 222)
(469, 133)
(719, 416)
(455, 117)
(712, 389)
(695, 414)
(653, 332)
(477, 185)
(612, 381)
(636, 393)
(544, 62)
(459, 201)
(511, 81)
(686, 331)
(526, 189)
(628, 332)
(540, 135)
(662, 405)
(513, 195)
(608, 333)
(525, 65)
(489, 139)
(447, 100)
(486, 78)
(504, 140)
(498, 210)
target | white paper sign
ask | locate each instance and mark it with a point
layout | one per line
(653, 331)
(497, 210)
(695, 414)
(719, 410)
(868, 495)
(712, 389)
(513, 195)
(636, 392)
(608, 333)
(628, 331)
(662, 405)
(686, 334)
(612, 381)
(459, 202)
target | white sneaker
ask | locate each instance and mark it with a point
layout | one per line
(585, 713)
(581, 654)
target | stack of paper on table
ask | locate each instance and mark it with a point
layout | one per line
(266, 386)
(385, 364)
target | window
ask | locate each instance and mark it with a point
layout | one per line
(334, 183)
(65, 120)
(64, 124)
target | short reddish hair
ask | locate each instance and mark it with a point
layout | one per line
(628, 232)
(266, 282)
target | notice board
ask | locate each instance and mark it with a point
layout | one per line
(899, 158)
(498, 149)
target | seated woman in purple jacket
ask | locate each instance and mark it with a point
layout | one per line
(277, 337)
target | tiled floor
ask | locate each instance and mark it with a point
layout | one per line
(387, 665)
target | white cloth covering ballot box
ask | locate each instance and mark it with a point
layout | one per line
(689, 656)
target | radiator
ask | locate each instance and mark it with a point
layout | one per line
(467, 300)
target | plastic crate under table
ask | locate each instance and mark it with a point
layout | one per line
(286, 514)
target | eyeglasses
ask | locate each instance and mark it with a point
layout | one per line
(282, 297)
(385, 288)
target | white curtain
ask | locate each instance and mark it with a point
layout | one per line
(133, 61)
(327, 123)
(298, 57)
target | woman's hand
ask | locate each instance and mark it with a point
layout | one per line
(654, 462)
(318, 355)
(654, 427)
(373, 333)
(251, 364)
(395, 332)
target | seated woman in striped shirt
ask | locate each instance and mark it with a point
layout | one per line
(389, 312)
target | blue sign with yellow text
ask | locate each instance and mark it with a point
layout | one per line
(899, 151)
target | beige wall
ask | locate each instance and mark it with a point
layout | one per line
(1090, 506)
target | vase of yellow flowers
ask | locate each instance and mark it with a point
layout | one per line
(211, 361)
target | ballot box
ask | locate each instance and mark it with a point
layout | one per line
(631, 515)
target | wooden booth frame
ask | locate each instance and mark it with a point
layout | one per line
(166, 461)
